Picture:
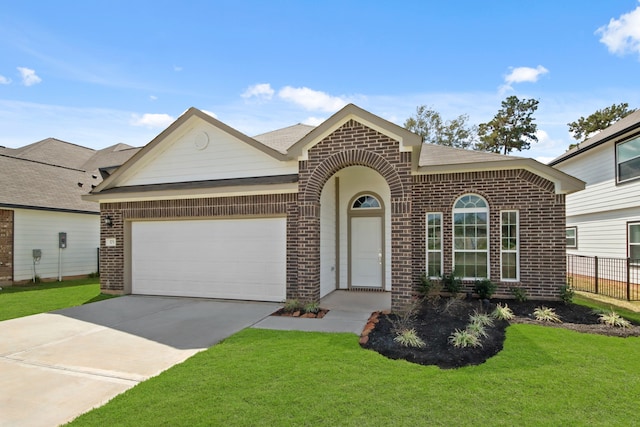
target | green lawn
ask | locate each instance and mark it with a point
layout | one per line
(18, 301)
(628, 314)
(544, 376)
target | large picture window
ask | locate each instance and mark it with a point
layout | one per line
(633, 237)
(471, 237)
(628, 160)
(434, 245)
(509, 246)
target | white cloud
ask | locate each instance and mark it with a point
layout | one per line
(622, 36)
(313, 121)
(151, 120)
(525, 74)
(29, 77)
(211, 113)
(260, 91)
(4, 80)
(311, 99)
(177, 68)
(153, 97)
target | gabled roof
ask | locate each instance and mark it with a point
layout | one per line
(625, 125)
(406, 138)
(55, 152)
(32, 184)
(114, 155)
(282, 139)
(440, 159)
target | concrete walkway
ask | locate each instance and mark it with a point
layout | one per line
(348, 312)
(56, 366)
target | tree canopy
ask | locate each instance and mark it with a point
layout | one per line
(429, 124)
(511, 128)
(584, 128)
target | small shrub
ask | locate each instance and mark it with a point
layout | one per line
(94, 275)
(613, 319)
(426, 284)
(546, 314)
(485, 288)
(434, 294)
(450, 304)
(404, 318)
(451, 283)
(409, 338)
(503, 313)
(464, 339)
(292, 305)
(312, 307)
(478, 329)
(482, 319)
(519, 294)
(36, 279)
(566, 294)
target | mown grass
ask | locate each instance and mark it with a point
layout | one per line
(24, 300)
(544, 376)
(600, 305)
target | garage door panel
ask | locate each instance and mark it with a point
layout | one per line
(232, 258)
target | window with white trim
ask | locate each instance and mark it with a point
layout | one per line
(628, 160)
(471, 237)
(633, 237)
(434, 245)
(509, 246)
(572, 237)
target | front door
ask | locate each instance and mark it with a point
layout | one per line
(366, 242)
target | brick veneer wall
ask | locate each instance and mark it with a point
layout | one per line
(6, 246)
(542, 224)
(354, 144)
(112, 259)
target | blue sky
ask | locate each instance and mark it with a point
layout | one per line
(97, 73)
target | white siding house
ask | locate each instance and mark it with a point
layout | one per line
(604, 219)
(40, 197)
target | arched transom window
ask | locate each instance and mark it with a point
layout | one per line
(471, 237)
(366, 201)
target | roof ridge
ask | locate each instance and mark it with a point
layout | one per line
(42, 163)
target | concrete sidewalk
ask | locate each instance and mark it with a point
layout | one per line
(348, 312)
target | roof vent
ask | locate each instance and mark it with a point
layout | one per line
(80, 184)
(94, 176)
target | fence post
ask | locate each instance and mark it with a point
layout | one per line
(595, 258)
(628, 279)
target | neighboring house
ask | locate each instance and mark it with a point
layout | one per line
(604, 219)
(40, 197)
(355, 203)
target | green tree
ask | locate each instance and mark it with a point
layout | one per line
(429, 125)
(584, 128)
(511, 128)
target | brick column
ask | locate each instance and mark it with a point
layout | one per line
(309, 252)
(401, 253)
(112, 258)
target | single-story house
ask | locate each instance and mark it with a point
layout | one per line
(604, 219)
(355, 203)
(40, 198)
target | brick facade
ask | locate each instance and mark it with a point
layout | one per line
(542, 242)
(6, 246)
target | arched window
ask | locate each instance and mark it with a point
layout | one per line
(366, 201)
(471, 237)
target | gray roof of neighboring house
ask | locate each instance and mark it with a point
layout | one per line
(53, 174)
(624, 125)
(282, 139)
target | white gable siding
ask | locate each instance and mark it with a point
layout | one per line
(604, 234)
(39, 230)
(597, 168)
(224, 157)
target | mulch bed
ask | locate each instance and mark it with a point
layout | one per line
(436, 320)
(299, 313)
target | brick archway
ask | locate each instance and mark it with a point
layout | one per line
(308, 248)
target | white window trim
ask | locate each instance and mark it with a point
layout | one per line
(427, 251)
(575, 236)
(517, 250)
(453, 238)
(629, 244)
(618, 180)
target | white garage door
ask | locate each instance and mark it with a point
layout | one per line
(225, 258)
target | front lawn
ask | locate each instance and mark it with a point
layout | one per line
(19, 301)
(544, 376)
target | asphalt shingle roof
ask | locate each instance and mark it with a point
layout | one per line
(282, 139)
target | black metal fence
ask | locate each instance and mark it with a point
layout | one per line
(613, 277)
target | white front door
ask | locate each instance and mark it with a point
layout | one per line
(366, 252)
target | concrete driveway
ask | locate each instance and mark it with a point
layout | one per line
(56, 366)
